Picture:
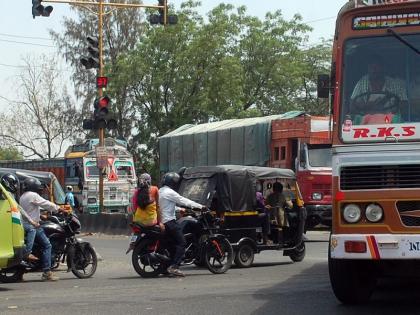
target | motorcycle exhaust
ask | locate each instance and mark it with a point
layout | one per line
(156, 257)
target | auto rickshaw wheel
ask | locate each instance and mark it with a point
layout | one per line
(298, 254)
(244, 256)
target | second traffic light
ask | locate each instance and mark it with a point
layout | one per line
(91, 61)
(39, 10)
(103, 117)
(160, 18)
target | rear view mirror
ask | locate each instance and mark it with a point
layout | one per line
(323, 86)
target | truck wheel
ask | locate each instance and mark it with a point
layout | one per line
(352, 281)
(244, 256)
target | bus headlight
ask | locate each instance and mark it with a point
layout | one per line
(316, 196)
(352, 213)
(374, 212)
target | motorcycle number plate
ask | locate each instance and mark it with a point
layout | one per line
(133, 238)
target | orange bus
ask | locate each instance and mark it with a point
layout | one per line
(375, 92)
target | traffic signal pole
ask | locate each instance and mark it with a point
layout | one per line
(101, 4)
(101, 131)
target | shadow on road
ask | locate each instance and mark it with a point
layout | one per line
(310, 293)
(268, 264)
(5, 289)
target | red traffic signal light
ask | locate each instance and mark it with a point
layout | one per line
(101, 82)
(103, 102)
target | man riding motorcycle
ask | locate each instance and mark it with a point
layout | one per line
(32, 203)
(168, 199)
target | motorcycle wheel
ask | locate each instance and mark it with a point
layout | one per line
(84, 261)
(142, 262)
(218, 255)
(11, 275)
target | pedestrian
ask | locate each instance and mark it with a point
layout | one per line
(70, 197)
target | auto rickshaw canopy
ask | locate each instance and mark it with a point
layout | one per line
(230, 187)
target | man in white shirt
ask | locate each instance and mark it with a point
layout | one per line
(32, 203)
(168, 199)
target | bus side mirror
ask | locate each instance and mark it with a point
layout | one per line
(323, 86)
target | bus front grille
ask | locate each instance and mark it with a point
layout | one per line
(380, 177)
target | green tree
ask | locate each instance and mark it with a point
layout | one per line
(10, 153)
(230, 65)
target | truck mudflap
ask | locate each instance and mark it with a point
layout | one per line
(375, 246)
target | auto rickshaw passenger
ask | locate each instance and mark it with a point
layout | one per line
(263, 216)
(276, 202)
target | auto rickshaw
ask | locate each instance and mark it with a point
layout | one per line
(52, 189)
(230, 191)
(11, 231)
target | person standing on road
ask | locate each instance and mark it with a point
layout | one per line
(32, 203)
(70, 197)
(168, 199)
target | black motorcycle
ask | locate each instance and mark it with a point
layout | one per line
(152, 249)
(61, 230)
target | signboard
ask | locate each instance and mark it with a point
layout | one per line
(380, 132)
(386, 21)
(101, 157)
(361, 3)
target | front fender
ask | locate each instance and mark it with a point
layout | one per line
(71, 250)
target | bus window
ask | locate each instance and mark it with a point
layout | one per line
(124, 169)
(91, 170)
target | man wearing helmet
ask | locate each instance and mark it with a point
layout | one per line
(11, 183)
(168, 199)
(32, 203)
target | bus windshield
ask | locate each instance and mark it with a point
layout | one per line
(319, 155)
(381, 86)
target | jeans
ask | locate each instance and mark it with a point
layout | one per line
(174, 232)
(42, 240)
(30, 233)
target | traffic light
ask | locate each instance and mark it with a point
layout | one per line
(91, 61)
(160, 18)
(39, 10)
(103, 117)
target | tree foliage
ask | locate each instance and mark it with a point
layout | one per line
(228, 64)
(40, 121)
(10, 153)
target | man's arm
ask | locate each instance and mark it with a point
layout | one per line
(45, 204)
(178, 199)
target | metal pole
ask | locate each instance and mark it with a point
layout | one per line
(100, 93)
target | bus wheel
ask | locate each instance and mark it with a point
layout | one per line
(352, 281)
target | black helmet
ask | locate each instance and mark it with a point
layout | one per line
(171, 180)
(10, 182)
(181, 171)
(32, 184)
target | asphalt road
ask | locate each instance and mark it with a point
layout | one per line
(274, 285)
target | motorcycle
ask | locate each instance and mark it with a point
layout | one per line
(152, 249)
(61, 230)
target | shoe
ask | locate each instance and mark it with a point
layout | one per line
(49, 276)
(32, 257)
(172, 270)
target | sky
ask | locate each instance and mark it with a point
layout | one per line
(22, 36)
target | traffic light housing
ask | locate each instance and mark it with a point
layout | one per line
(39, 10)
(91, 61)
(160, 18)
(103, 117)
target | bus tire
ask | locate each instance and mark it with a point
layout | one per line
(352, 281)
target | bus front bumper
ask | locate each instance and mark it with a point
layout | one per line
(375, 246)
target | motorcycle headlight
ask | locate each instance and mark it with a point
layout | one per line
(374, 213)
(352, 213)
(316, 196)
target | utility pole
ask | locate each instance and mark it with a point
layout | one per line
(163, 18)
